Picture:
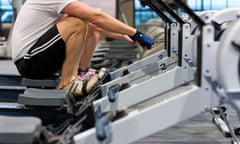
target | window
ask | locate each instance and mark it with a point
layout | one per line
(212, 4)
(143, 14)
(6, 11)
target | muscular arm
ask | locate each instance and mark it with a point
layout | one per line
(98, 18)
(111, 34)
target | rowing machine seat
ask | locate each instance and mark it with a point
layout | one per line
(19, 130)
(44, 93)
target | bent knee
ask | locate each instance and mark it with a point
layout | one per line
(76, 22)
(72, 24)
(93, 30)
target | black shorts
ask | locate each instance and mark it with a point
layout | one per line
(45, 57)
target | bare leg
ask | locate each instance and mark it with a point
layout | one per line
(74, 33)
(92, 41)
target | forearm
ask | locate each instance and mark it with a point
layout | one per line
(111, 34)
(99, 18)
(106, 22)
(113, 26)
(117, 36)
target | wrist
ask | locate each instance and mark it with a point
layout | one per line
(137, 35)
(143, 39)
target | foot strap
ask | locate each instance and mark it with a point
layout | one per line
(84, 88)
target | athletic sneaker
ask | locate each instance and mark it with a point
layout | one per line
(86, 75)
(80, 87)
(75, 86)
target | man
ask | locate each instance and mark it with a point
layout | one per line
(52, 35)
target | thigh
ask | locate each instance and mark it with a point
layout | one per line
(45, 57)
(70, 25)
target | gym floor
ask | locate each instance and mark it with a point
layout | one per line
(197, 130)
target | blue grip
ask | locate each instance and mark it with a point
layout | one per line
(100, 129)
(112, 92)
(101, 124)
(143, 39)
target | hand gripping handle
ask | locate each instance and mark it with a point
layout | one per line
(143, 39)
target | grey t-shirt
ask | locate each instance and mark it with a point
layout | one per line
(34, 19)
